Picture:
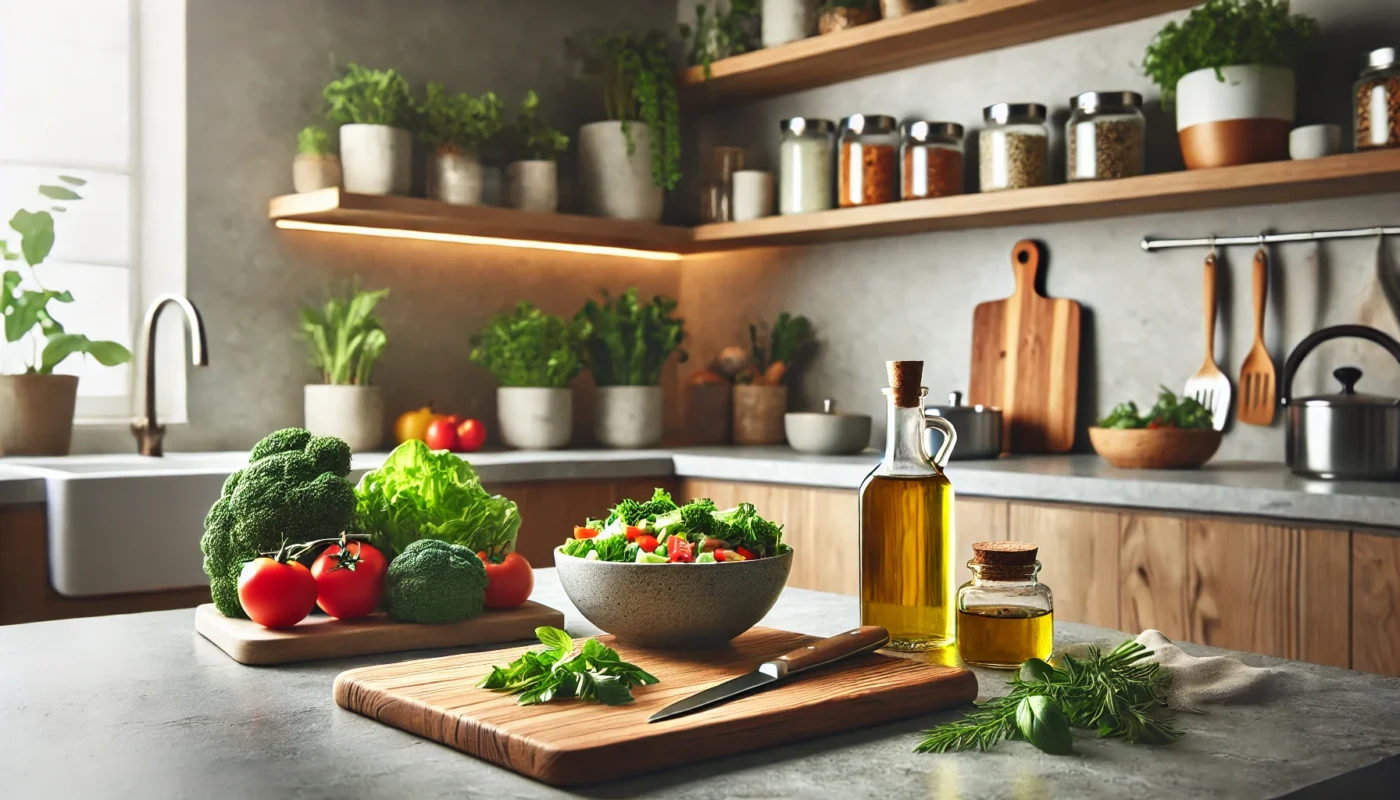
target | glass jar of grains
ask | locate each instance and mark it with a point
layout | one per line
(865, 173)
(805, 165)
(1377, 96)
(1104, 136)
(1014, 147)
(1005, 615)
(932, 159)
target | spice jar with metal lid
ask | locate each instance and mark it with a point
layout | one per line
(1005, 614)
(866, 168)
(805, 165)
(1377, 101)
(1014, 147)
(1104, 137)
(931, 159)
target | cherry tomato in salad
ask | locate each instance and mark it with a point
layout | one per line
(1157, 423)
(276, 594)
(646, 543)
(679, 550)
(728, 555)
(745, 552)
(349, 585)
(632, 532)
(509, 581)
(580, 532)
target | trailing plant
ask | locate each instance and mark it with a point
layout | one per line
(26, 310)
(458, 121)
(626, 343)
(1223, 33)
(533, 139)
(369, 97)
(313, 141)
(528, 347)
(721, 34)
(343, 336)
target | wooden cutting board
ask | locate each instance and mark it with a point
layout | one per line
(319, 637)
(1025, 360)
(569, 743)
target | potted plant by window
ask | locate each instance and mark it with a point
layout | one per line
(532, 179)
(1229, 68)
(315, 166)
(456, 126)
(36, 406)
(838, 15)
(760, 391)
(626, 345)
(344, 339)
(533, 355)
(373, 109)
(628, 162)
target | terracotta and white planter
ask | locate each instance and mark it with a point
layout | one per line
(454, 177)
(311, 171)
(532, 186)
(1244, 119)
(628, 416)
(616, 183)
(352, 413)
(758, 414)
(36, 414)
(376, 159)
(535, 417)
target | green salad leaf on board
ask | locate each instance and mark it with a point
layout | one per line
(1169, 412)
(595, 672)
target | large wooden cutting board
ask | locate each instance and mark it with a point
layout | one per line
(1025, 360)
(569, 743)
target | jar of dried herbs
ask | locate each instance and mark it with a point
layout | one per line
(1377, 98)
(1014, 147)
(931, 163)
(1104, 136)
(866, 165)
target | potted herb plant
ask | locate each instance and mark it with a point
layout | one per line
(533, 355)
(344, 339)
(626, 345)
(457, 126)
(1229, 68)
(838, 15)
(760, 391)
(315, 166)
(373, 109)
(726, 32)
(36, 406)
(532, 179)
(628, 162)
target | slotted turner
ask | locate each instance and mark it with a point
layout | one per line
(1209, 386)
(1257, 398)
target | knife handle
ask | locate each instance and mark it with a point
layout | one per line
(853, 642)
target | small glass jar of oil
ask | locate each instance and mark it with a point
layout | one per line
(1005, 615)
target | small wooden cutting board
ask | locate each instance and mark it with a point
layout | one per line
(320, 637)
(568, 743)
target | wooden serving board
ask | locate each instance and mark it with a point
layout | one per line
(1025, 361)
(569, 743)
(320, 637)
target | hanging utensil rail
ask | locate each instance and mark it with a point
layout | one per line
(1149, 244)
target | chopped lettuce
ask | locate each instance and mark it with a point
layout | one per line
(698, 522)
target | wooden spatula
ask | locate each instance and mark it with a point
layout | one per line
(1209, 386)
(1257, 397)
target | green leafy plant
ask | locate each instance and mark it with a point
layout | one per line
(789, 339)
(595, 672)
(313, 141)
(1170, 411)
(344, 336)
(1223, 33)
(458, 122)
(528, 347)
(626, 343)
(533, 139)
(26, 311)
(369, 97)
(722, 34)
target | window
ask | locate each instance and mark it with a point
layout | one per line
(95, 89)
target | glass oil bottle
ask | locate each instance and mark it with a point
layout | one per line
(1005, 615)
(906, 524)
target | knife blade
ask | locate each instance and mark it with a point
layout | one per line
(864, 639)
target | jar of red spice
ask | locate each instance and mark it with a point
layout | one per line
(866, 165)
(931, 159)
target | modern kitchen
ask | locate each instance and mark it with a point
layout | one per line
(657, 398)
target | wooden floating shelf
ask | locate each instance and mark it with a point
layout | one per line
(923, 37)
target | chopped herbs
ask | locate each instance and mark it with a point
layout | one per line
(595, 672)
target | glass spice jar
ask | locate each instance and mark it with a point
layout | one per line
(1005, 615)
(804, 165)
(1104, 136)
(932, 159)
(1014, 147)
(866, 172)
(1377, 105)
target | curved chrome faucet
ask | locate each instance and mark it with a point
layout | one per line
(149, 434)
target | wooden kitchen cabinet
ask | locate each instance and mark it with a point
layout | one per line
(1375, 603)
(1079, 551)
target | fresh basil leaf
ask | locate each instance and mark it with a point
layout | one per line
(1035, 669)
(1044, 725)
(611, 691)
(555, 639)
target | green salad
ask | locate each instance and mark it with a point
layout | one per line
(658, 531)
(1170, 412)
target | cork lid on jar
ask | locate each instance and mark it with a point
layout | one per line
(906, 378)
(1004, 561)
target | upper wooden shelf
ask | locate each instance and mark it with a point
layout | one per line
(934, 34)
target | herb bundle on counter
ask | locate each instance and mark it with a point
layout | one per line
(595, 672)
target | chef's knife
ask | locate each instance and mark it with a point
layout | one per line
(843, 645)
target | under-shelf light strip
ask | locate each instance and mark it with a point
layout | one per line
(460, 238)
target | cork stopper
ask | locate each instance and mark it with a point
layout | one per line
(1004, 560)
(906, 379)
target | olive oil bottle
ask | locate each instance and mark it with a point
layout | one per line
(906, 524)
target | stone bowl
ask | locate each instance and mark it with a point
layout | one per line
(1155, 448)
(827, 433)
(673, 605)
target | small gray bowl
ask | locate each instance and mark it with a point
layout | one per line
(826, 432)
(673, 605)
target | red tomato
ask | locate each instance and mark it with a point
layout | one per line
(349, 587)
(1156, 423)
(678, 549)
(442, 434)
(471, 435)
(647, 543)
(728, 555)
(632, 532)
(510, 582)
(276, 595)
(745, 552)
(580, 532)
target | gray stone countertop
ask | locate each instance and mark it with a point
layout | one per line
(142, 706)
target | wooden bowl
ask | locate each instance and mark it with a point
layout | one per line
(1157, 448)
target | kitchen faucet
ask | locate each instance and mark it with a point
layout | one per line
(149, 434)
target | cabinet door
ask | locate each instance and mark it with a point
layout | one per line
(975, 520)
(1079, 548)
(1152, 568)
(1375, 603)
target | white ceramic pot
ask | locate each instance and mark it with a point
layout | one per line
(788, 21)
(752, 195)
(311, 172)
(532, 186)
(377, 159)
(628, 416)
(1244, 119)
(616, 183)
(454, 177)
(1314, 141)
(36, 414)
(535, 417)
(352, 413)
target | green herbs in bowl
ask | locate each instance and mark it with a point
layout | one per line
(1176, 433)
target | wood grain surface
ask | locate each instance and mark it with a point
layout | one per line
(1152, 568)
(1375, 605)
(570, 743)
(1079, 551)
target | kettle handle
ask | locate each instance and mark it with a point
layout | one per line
(950, 438)
(1312, 340)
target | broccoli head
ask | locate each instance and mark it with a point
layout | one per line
(742, 526)
(697, 516)
(435, 582)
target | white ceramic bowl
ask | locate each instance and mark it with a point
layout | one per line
(826, 433)
(1314, 141)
